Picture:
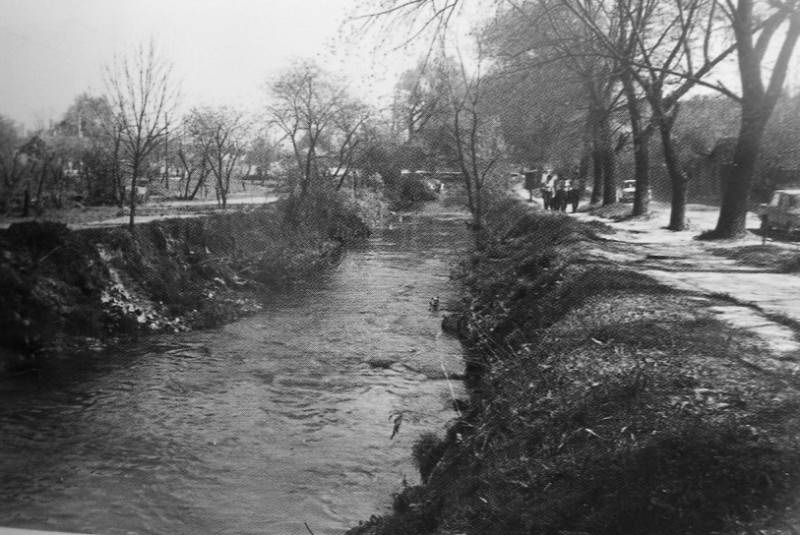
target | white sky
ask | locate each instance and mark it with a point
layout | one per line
(223, 51)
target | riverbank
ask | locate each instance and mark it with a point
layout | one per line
(603, 401)
(62, 288)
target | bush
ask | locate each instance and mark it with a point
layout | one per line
(410, 190)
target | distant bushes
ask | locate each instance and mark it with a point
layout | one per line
(409, 190)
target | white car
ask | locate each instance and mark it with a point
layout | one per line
(629, 191)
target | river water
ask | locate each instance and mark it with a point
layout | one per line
(278, 419)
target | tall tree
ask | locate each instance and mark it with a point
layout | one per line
(666, 48)
(544, 38)
(756, 25)
(318, 119)
(142, 94)
(477, 137)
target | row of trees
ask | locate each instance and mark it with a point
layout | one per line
(606, 76)
(104, 146)
(580, 84)
(105, 149)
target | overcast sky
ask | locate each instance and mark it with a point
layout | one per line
(223, 50)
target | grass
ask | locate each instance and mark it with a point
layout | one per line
(77, 214)
(605, 404)
(617, 211)
(772, 257)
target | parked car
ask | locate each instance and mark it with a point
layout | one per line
(629, 191)
(782, 212)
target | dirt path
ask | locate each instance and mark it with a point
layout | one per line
(171, 209)
(761, 300)
(758, 299)
(108, 216)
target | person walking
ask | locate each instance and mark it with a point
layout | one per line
(547, 195)
(530, 183)
(560, 199)
(574, 195)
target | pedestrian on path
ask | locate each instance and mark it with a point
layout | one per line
(530, 183)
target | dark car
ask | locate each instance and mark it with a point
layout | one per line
(783, 210)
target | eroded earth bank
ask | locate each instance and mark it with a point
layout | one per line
(64, 289)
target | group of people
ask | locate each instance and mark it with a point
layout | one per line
(557, 193)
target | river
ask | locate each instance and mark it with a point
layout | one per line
(278, 419)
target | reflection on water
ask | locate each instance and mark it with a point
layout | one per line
(267, 423)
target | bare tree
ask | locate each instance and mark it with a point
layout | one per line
(346, 140)
(221, 135)
(665, 48)
(142, 93)
(193, 159)
(320, 121)
(756, 24)
(477, 136)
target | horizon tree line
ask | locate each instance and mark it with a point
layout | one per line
(588, 84)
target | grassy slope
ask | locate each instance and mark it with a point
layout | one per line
(603, 403)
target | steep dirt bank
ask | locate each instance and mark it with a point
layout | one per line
(602, 402)
(60, 287)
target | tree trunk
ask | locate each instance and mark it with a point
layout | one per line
(641, 165)
(678, 179)
(677, 215)
(641, 148)
(477, 215)
(26, 203)
(201, 180)
(597, 170)
(224, 192)
(593, 125)
(757, 104)
(609, 176)
(607, 159)
(40, 186)
(584, 164)
(462, 162)
(736, 186)
(133, 193)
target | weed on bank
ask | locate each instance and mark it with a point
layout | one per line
(602, 403)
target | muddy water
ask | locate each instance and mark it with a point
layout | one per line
(276, 420)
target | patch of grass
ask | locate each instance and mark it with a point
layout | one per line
(783, 319)
(771, 257)
(617, 211)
